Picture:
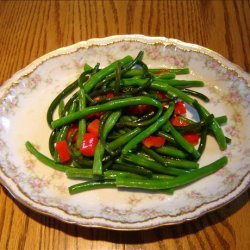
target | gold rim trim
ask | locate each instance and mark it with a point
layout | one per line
(99, 43)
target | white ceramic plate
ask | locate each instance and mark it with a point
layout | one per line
(26, 96)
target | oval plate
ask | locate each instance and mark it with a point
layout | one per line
(24, 100)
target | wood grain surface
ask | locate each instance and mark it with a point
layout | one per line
(30, 29)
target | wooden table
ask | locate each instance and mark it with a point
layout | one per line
(30, 29)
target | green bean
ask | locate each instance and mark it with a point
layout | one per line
(112, 174)
(127, 118)
(100, 92)
(99, 76)
(149, 131)
(169, 138)
(196, 94)
(121, 166)
(144, 86)
(97, 164)
(171, 151)
(144, 117)
(168, 162)
(162, 176)
(60, 108)
(182, 142)
(161, 86)
(181, 83)
(197, 126)
(87, 97)
(90, 185)
(64, 130)
(152, 165)
(52, 140)
(118, 78)
(73, 173)
(87, 67)
(145, 72)
(175, 182)
(110, 123)
(188, 120)
(116, 104)
(141, 122)
(203, 140)
(105, 83)
(81, 122)
(137, 122)
(71, 137)
(96, 69)
(44, 159)
(107, 164)
(221, 119)
(123, 139)
(77, 164)
(136, 72)
(67, 106)
(103, 120)
(105, 99)
(175, 71)
(214, 125)
(168, 76)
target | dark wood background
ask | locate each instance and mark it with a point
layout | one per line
(30, 29)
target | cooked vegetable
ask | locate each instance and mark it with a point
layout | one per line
(126, 126)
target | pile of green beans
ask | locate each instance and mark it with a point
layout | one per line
(120, 158)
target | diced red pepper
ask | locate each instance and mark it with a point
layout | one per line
(97, 98)
(164, 104)
(72, 130)
(161, 94)
(163, 71)
(180, 108)
(93, 127)
(110, 95)
(62, 149)
(154, 141)
(89, 144)
(192, 137)
(140, 109)
(178, 121)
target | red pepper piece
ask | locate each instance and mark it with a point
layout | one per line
(192, 137)
(180, 108)
(89, 144)
(161, 94)
(110, 95)
(97, 98)
(93, 127)
(62, 149)
(140, 109)
(163, 71)
(178, 121)
(154, 141)
(72, 130)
